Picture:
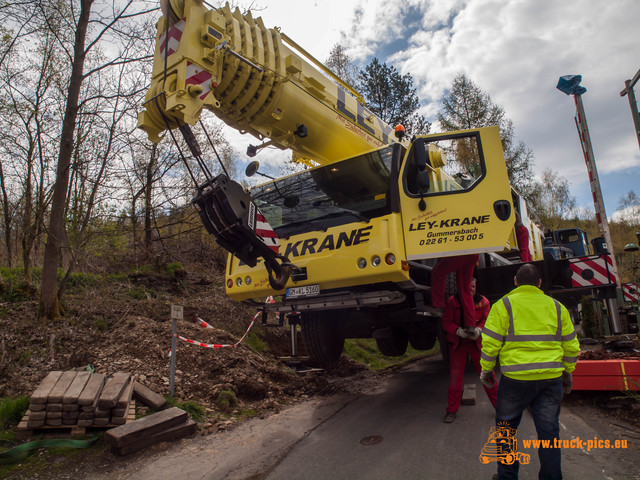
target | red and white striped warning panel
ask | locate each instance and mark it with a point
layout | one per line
(631, 292)
(592, 271)
(197, 76)
(175, 34)
(266, 233)
(263, 230)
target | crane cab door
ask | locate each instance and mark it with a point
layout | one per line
(455, 196)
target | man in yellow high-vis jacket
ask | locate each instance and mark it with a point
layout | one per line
(532, 336)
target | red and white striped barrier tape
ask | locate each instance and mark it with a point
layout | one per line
(201, 323)
(216, 345)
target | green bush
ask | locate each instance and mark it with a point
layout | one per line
(227, 400)
(12, 410)
(176, 269)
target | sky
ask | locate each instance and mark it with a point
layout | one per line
(514, 50)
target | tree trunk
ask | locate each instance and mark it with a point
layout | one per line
(148, 193)
(7, 219)
(49, 299)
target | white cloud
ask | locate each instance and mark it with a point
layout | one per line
(515, 50)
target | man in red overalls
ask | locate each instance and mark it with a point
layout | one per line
(463, 343)
(463, 266)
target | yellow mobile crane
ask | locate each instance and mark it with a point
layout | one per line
(347, 246)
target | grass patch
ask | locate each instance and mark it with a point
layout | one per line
(12, 410)
(195, 411)
(140, 293)
(247, 413)
(227, 401)
(100, 325)
(365, 351)
(255, 342)
(78, 281)
(175, 269)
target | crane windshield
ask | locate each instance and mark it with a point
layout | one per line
(356, 189)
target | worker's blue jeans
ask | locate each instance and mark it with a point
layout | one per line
(545, 399)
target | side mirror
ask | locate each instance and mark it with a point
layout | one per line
(423, 180)
(420, 154)
(252, 168)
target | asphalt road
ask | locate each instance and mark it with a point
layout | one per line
(393, 433)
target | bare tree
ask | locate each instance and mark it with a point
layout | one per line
(107, 22)
(28, 85)
(466, 106)
(629, 208)
(340, 64)
(553, 199)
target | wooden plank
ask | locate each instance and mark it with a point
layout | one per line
(41, 393)
(125, 397)
(469, 394)
(37, 416)
(100, 413)
(76, 387)
(148, 397)
(70, 415)
(112, 390)
(145, 427)
(92, 390)
(183, 429)
(61, 386)
(119, 412)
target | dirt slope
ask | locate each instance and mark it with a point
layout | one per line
(124, 325)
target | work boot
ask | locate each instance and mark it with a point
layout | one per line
(450, 417)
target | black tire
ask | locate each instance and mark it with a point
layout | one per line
(322, 336)
(422, 338)
(395, 344)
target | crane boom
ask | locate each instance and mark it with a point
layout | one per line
(257, 81)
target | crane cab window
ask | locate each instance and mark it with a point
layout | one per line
(352, 190)
(453, 163)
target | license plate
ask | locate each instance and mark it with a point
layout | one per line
(305, 291)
